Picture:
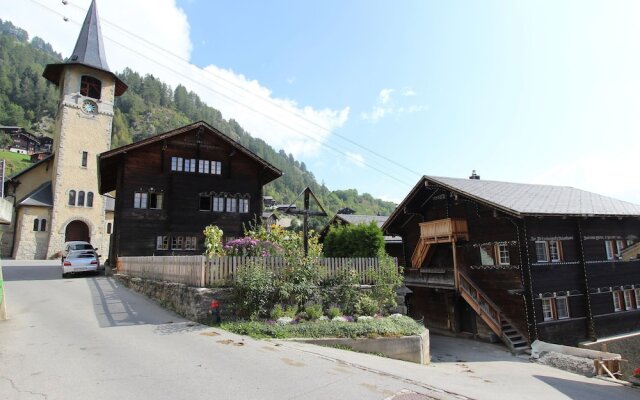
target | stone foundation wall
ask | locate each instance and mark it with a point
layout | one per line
(189, 302)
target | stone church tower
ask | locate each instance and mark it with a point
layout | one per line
(57, 200)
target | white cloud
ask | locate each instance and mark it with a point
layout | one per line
(385, 106)
(409, 93)
(356, 159)
(166, 57)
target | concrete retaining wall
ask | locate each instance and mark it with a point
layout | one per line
(189, 302)
(408, 348)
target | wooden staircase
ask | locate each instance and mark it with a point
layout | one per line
(439, 231)
(492, 315)
(421, 253)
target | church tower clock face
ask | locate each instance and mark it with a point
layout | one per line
(89, 107)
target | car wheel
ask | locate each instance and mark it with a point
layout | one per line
(64, 276)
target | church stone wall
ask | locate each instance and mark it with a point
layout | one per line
(33, 244)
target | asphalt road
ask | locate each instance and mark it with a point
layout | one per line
(88, 338)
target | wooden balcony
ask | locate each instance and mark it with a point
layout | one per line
(444, 230)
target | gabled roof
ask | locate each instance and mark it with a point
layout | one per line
(522, 199)
(356, 219)
(107, 159)
(41, 197)
(24, 171)
(89, 51)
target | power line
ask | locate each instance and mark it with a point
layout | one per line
(232, 100)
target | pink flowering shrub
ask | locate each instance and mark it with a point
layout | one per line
(250, 247)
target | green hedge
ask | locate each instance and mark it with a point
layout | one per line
(379, 327)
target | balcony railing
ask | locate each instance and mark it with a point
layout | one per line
(444, 230)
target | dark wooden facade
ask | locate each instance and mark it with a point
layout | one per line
(580, 273)
(149, 167)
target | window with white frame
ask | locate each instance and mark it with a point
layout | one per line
(162, 242)
(542, 251)
(203, 166)
(614, 248)
(216, 167)
(177, 242)
(243, 205)
(140, 199)
(190, 243)
(189, 165)
(555, 308)
(555, 251)
(629, 299)
(176, 163)
(232, 204)
(618, 300)
(637, 292)
(503, 254)
(218, 204)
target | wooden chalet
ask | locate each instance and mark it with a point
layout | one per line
(171, 186)
(392, 244)
(521, 261)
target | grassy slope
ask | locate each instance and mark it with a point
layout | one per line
(14, 162)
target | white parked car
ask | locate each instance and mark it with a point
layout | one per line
(80, 261)
(76, 245)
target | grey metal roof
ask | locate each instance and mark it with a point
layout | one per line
(41, 197)
(530, 199)
(89, 51)
(356, 219)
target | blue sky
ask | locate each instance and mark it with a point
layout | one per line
(534, 92)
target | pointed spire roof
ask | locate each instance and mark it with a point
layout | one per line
(89, 51)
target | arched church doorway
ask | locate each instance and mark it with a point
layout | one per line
(76, 230)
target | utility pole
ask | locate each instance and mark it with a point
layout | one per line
(306, 213)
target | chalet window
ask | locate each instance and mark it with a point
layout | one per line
(618, 300)
(190, 243)
(155, 201)
(487, 255)
(176, 163)
(495, 254)
(177, 242)
(218, 204)
(503, 254)
(548, 251)
(216, 167)
(629, 300)
(109, 227)
(542, 251)
(637, 292)
(43, 225)
(90, 87)
(140, 200)
(36, 225)
(72, 198)
(205, 203)
(243, 205)
(81, 198)
(90, 199)
(554, 308)
(203, 166)
(189, 165)
(162, 243)
(232, 204)
(84, 158)
(614, 248)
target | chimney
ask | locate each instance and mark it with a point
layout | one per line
(474, 175)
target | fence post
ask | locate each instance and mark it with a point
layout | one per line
(202, 272)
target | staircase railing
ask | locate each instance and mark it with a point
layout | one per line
(480, 302)
(419, 254)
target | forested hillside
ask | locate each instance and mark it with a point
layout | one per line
(149, 107)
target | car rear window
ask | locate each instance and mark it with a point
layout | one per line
(81, 247)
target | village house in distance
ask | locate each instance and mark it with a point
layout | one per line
(172, 185)
(522, 261)
(56, 200)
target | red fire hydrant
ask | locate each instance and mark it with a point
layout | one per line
(214, 311)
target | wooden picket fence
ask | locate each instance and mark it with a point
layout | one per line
(215, 271)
